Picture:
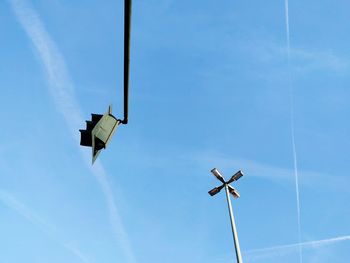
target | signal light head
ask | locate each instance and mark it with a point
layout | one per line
(99, 132)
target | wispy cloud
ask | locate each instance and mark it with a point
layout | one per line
(50, 230)
(307, 60)
(270, 172)
(62, 90)
(292, 130)
(264, 253)
(302, 59)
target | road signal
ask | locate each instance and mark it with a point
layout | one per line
(99, 132)
(100, 128)
(86, 138)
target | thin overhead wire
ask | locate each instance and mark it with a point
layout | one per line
(292, 125)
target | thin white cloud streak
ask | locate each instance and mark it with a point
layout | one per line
(303, 59)
(286, 6)
(292, 131)
(259, 254)
(51, 231)
(62, 90)
(269, 172)
(306, 60)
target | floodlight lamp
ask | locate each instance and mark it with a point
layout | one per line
(233, 191)
(217, 174)
(235, 177)
(215, 190)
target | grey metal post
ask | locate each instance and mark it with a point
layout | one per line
(233, 226)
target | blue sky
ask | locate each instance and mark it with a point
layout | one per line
(210, 87)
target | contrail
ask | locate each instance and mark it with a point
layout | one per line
(285, 249)
(62, 90)
(11, 202)
(292, 125)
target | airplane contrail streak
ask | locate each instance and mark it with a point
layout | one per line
(284, 249)
(11, 202)
(292, 125)
(62, 90)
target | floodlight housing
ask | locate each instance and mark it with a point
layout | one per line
(235, 177)
(215, 190)
(233, 191)
(217, 174)
(229, 190)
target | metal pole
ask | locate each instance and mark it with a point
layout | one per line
(127, 29)
(233, 226)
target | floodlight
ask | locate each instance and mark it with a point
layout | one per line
(235, 177)
(215, 190)
(233, 191)
(217, 174)
(229, 190)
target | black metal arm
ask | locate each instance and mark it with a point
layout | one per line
(127, 29)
